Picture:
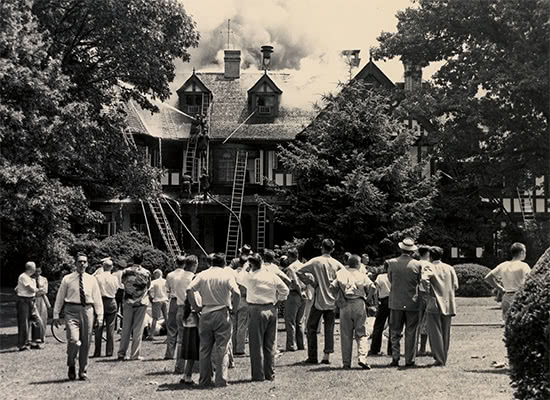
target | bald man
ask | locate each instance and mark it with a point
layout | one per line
(27, 315)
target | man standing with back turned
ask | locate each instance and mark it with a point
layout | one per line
(79, 293)
(512, 275)
(220, 298)
(323, 269)
(404, 276)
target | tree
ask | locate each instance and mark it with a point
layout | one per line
(61, 134)
(355, 180)
(493, 85)
(103, 43)
(489, 99)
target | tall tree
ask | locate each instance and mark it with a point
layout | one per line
(356, 181)
(489, 100)
(492, 88)
(61, 143)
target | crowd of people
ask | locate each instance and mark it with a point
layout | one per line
(209, 315)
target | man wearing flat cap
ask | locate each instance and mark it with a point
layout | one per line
(404, 274)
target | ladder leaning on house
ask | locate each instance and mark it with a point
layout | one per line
(189, 158)
(526, 206)
(233, 229)
(164, 227)
(260, 237)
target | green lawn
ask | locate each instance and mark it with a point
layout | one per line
(41, 374)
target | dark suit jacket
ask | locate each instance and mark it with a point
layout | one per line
(404, 275)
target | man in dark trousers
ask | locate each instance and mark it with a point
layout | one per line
(404, 276)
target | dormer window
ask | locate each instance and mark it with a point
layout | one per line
(194, 96)
(264, 98)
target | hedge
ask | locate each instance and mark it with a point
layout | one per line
(471, 281)
(527, 335)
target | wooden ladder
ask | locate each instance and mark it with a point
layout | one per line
(260, 237)
(189, 158)
(164, 227)
(233, 229)
(129, 139)
(526, 206)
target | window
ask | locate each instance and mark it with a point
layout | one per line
(258, 171)
(265, 104)
(194, 102)
(479, 252)
(457, 252)
(165, 178)
(507, 204)
(224, 166)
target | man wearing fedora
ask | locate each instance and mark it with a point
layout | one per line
(404, 273)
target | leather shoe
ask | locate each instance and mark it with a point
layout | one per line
(310, 361)
(83, 377)
(325, 362)
(410, 365)
(394, 363)
(72, 373)
(364, 365)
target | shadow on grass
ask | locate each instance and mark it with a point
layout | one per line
(502, 371)
(160, 373)
(157, 359)
(49, 382)
(108, 360)
(325, 369)
(8, 341)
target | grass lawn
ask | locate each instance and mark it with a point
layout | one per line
(41, 374)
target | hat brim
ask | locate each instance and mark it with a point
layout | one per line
(403, 246)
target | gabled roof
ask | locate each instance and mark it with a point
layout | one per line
(265, 78)
(230, 108)
(166, 124)
(193, 79)
(371, 70)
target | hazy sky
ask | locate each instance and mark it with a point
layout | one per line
(307, 35)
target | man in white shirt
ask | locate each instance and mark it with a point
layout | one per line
(27, 315)
(295, 305)
(108, 286)
(159, 301)
(220, 297)
(263, 290)
(512, 275)
(383, 287)
(80, 297)
(354, 288)
(171, 322)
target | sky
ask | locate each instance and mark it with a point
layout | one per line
(307, 35)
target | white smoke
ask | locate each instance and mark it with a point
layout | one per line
(307, 35)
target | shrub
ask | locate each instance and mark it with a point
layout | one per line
(471, 280)
(527, 334)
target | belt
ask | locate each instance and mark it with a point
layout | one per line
(26, 297)
(261, 304)
(510, 291)
(78, 304)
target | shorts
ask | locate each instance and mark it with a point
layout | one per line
(159, 308)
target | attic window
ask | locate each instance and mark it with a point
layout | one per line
(194, 103)
(263, 98)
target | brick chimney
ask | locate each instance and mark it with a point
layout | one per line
(232, 60)
(413, 76)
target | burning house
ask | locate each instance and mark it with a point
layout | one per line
(221, 139)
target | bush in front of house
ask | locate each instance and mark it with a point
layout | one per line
(471, 280)
(527, 335)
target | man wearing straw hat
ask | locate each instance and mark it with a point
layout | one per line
(404, 275)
